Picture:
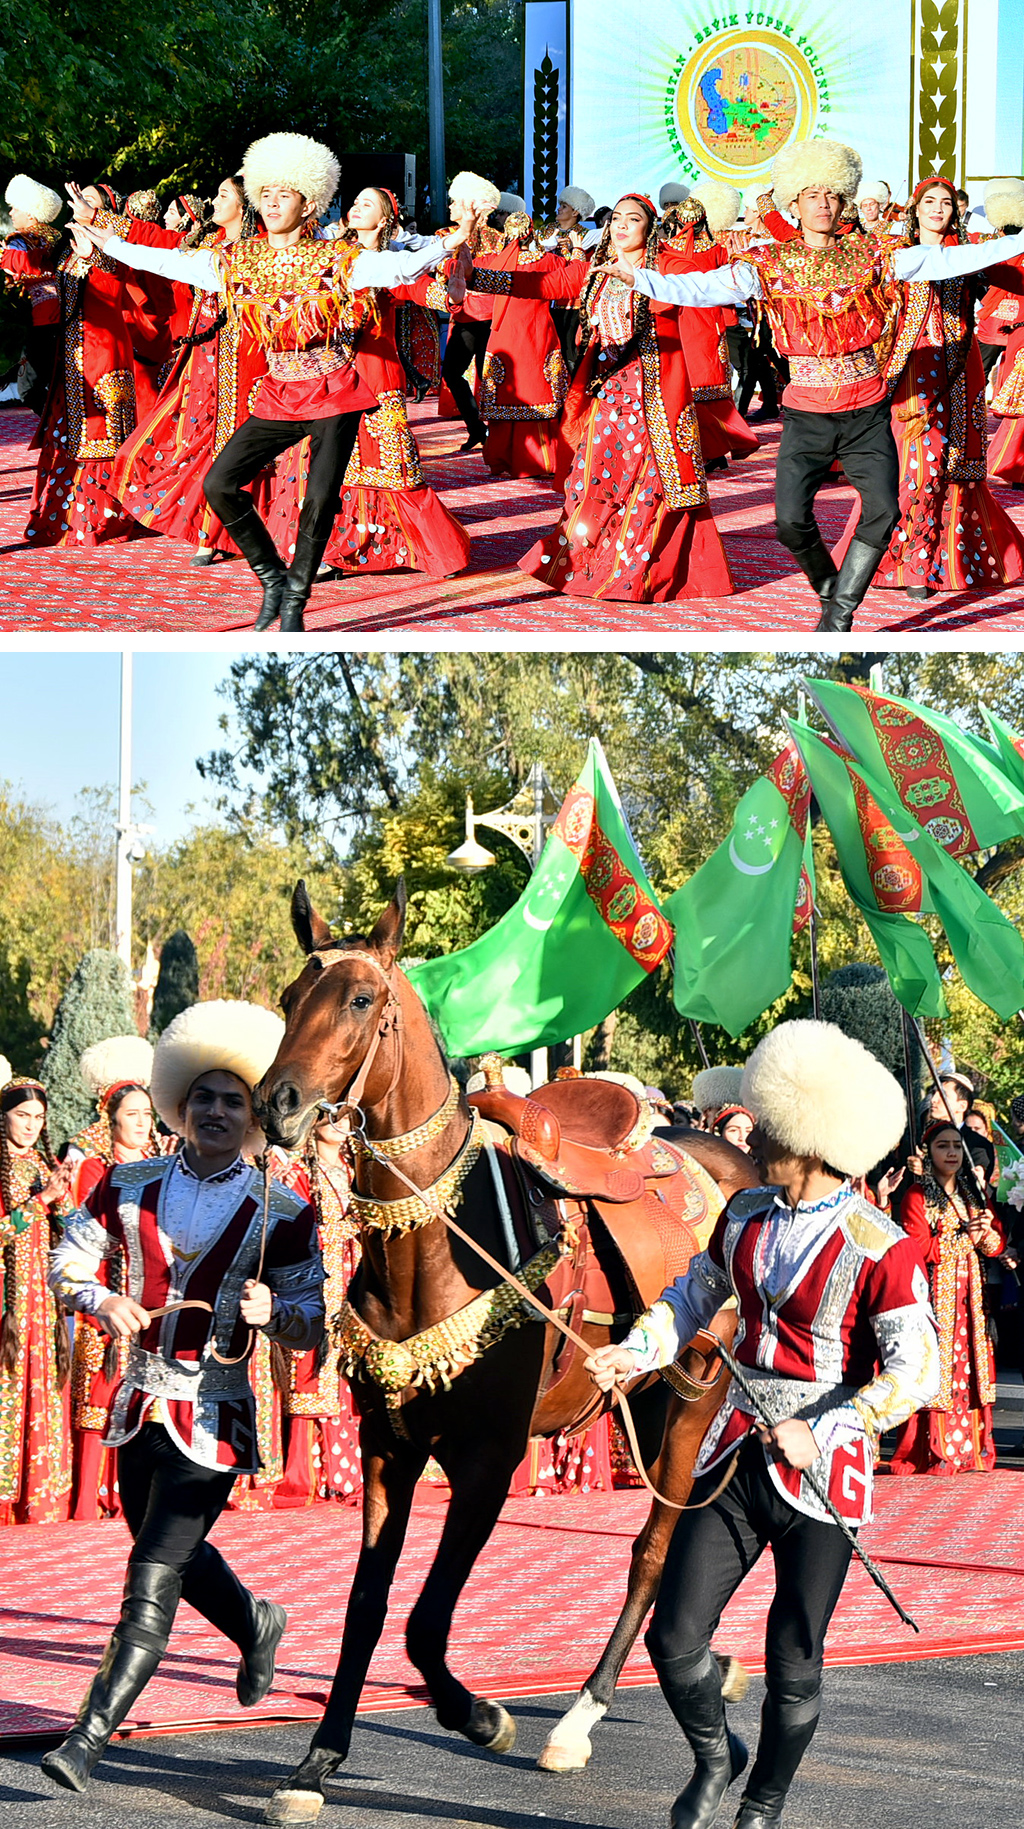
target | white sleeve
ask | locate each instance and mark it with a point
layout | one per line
(194, 266)
(731, 285)
(951, 263)
(551, 242)
(75, 1262)
(590, 240)
(396, 266)
(686, 1305)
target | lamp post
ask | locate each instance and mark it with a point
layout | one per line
(526, 819)
(130, 848)
(435, 111)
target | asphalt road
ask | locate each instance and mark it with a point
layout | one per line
(902, 1746)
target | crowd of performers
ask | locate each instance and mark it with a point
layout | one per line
(237, 377)
(184, 1265)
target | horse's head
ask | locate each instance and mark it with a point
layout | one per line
(334, 1011)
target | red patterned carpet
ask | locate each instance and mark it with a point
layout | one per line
(148, 586)
(533, 1619)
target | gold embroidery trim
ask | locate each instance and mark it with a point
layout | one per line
(414, 1210)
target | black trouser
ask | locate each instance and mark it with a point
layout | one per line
(712, 1550)
(864, 444)
(751, 354)
(467, 339)
(170, 1505)
(258, 441)
(990, 354)
(566, 320)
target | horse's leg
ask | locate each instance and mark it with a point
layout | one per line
(479, 1476)
(388, 1485)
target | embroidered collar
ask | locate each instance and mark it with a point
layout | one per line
(237, 1167)
(815, 1206)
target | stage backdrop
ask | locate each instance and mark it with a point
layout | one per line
(621, 94)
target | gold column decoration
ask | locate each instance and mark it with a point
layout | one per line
(940, 43)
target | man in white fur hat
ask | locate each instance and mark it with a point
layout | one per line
(28, 261)
(837, 1337)
(471, 199)
(301, 296)
(204, 1268)
(828, 298)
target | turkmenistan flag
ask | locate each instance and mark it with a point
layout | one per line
(988, 949)
(1010, 747)
(884, 880)
(584, 933)
(734, 918)
(954, 785)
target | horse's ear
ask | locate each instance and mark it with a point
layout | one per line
(311, 930)
(387, 935)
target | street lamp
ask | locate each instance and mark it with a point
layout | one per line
(526, 819)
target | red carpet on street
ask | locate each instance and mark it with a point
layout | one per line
(148, 586)
(534, 1617)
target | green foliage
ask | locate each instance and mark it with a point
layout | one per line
(99, 1002)
(177, 986)
(858, 1000)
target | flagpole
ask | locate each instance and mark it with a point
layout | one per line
(941, 1090)
(909, 1082)
(699, 1039)
(815, 980)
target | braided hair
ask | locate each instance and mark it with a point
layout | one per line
(17, 1092)
(595, 279)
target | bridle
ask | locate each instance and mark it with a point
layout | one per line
(389, 1023)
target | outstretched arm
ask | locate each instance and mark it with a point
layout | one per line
(952, 263)
(398, 266)
(729, 285)
(194, 267)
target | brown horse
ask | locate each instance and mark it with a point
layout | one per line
(356, 1032)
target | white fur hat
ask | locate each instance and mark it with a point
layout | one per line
(579, 200)
(878, 189)
(820, 1093)
(629, 1080)
(6, 1071)
(1004, 203)
(715, 1087)
(672, 193)
(294, 161)
(514, 1079)
(120, 1057)
(509, 201)
(752, 196)
(37, 200)
(804, 164)
(721, 203)
(469, 187)
(238, 1038)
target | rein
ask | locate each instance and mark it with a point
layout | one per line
(174, 1308)
(551, 1319)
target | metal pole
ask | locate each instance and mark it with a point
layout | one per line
(699, 1039)
(435, 102)
(123, 902)
(908, 1075)
(538, 1056)
(815, 980)
(969, 1162)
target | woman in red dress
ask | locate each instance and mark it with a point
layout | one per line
(117, 1074)
(636, 526)
(389, 518)
(320, 1424)
(28, 262)
(524, 380)
(1006, 452)
(35, 1446)
(955, 1228)
(724, 433)
(952, 535)
(160, 468)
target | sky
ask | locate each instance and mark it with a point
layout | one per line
(60, 730)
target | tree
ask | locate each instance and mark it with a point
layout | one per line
(177, 985)
(99, 1002)
(858, 1000)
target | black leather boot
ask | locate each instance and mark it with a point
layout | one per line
(138, 1643)
(257, 548)
(299, 580)
(788, 1721)
(255, 1626)
(859, 566)
(693, 1690)
(818, 567)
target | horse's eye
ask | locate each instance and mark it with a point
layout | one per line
(362, 1002)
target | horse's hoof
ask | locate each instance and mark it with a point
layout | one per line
(555, 1758)
(735, 1677)
(288, 1806)
(490, 1726)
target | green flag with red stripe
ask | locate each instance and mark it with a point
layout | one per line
(584, 933)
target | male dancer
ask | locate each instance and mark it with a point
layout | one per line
(827, 1288)
(300, 296)
(192, 1231)
(829, 298)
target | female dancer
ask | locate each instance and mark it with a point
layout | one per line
(117, 1074)
(636, 526)
(724, 433)
(389, 518)
(321, 1429)
(35, 1458)
(525, 378)
(951, 535)
(954, 1229)
(160, 468)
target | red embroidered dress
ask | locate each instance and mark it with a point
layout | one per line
(636, 526)
(89, 412)
(35, 1442)
(1006, 452)
(954, 1435)
(28, 262)
(207, 1407)
(524, 381)
(952, 535)
(321, 1425)
(834, 1327)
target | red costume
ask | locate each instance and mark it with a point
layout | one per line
(524, 382)
(636, 525)
(1006, 452)
(955, 1434)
